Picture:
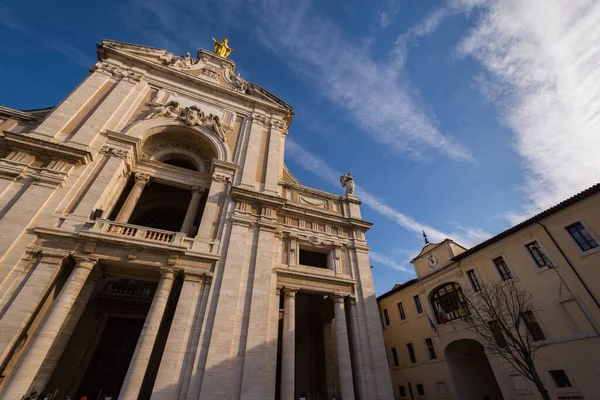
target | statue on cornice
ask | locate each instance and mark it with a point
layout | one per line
(222, 48)
(348, 183)
(183, 61)
(170, 110)
(238, 81)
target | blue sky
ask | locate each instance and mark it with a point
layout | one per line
(460, 117)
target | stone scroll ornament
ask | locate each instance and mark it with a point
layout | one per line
(192, 116)
(348, 183)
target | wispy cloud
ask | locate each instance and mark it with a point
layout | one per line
(311, 163)
(388, 10)
(373, 93)
(11, 21)
(542, 62)
(389, 262)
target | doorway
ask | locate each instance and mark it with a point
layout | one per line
(471, 371)
(108, 367)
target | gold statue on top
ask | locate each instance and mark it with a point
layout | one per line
(222, 48)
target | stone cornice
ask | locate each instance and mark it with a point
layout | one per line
(292, 209)
(38, 146)
(315, 192)
(252, 197)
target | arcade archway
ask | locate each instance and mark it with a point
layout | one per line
(471, 371)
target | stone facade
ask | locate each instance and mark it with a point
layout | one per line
(555, 257)
(154, 245)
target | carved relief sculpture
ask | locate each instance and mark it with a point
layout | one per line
(192, 116)
(348, 183)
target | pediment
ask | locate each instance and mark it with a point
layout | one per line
(204, 65)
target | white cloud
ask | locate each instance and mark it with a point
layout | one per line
(542, 59)
(389, 262)
(384, 19)
(372, 93)
(311, 163)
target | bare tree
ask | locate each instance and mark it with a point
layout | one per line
(500, 314)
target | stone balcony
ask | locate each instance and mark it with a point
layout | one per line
(136, 234)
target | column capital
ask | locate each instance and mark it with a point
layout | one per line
(290, 291)
(167, 273)
(85, 262)
(143, 178)
(337, 298)
(198, 189)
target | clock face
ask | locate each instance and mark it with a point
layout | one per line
(433, 261)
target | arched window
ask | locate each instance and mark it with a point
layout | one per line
(448, 302)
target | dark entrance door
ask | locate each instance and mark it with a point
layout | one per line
(109, 364)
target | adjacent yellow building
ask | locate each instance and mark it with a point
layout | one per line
(432, 354)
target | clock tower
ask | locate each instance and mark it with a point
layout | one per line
(435, 256)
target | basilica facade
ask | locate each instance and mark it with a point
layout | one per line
(153, 244)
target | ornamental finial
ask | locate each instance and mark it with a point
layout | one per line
(425, 237)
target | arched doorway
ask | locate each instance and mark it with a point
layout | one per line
(471, 371)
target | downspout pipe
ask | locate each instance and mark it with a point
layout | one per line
(570, 265)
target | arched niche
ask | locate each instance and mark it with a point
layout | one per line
(163, 139)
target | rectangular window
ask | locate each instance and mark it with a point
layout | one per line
(502, 268)
(519, 382)
(560, 378)
(402, 391)
(411, 353)
(418, 304)
(442, 390)
(532, 326)
(582, 236)
(395, 357)
(420, 389)
(474, 281)
(429, 343)
(386, 317)
(401, 311)
(313, 258)
(497, 332)
(538, 255)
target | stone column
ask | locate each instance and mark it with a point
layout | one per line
(141, 180)
(23, 375)
(252, 150)
(273, 157)
(141, 356)
(35, 288)
(47, 368)
(288, 345)
(357, 355)
(192, 210)
(217, 189)
(343, 347)
(182, 334)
